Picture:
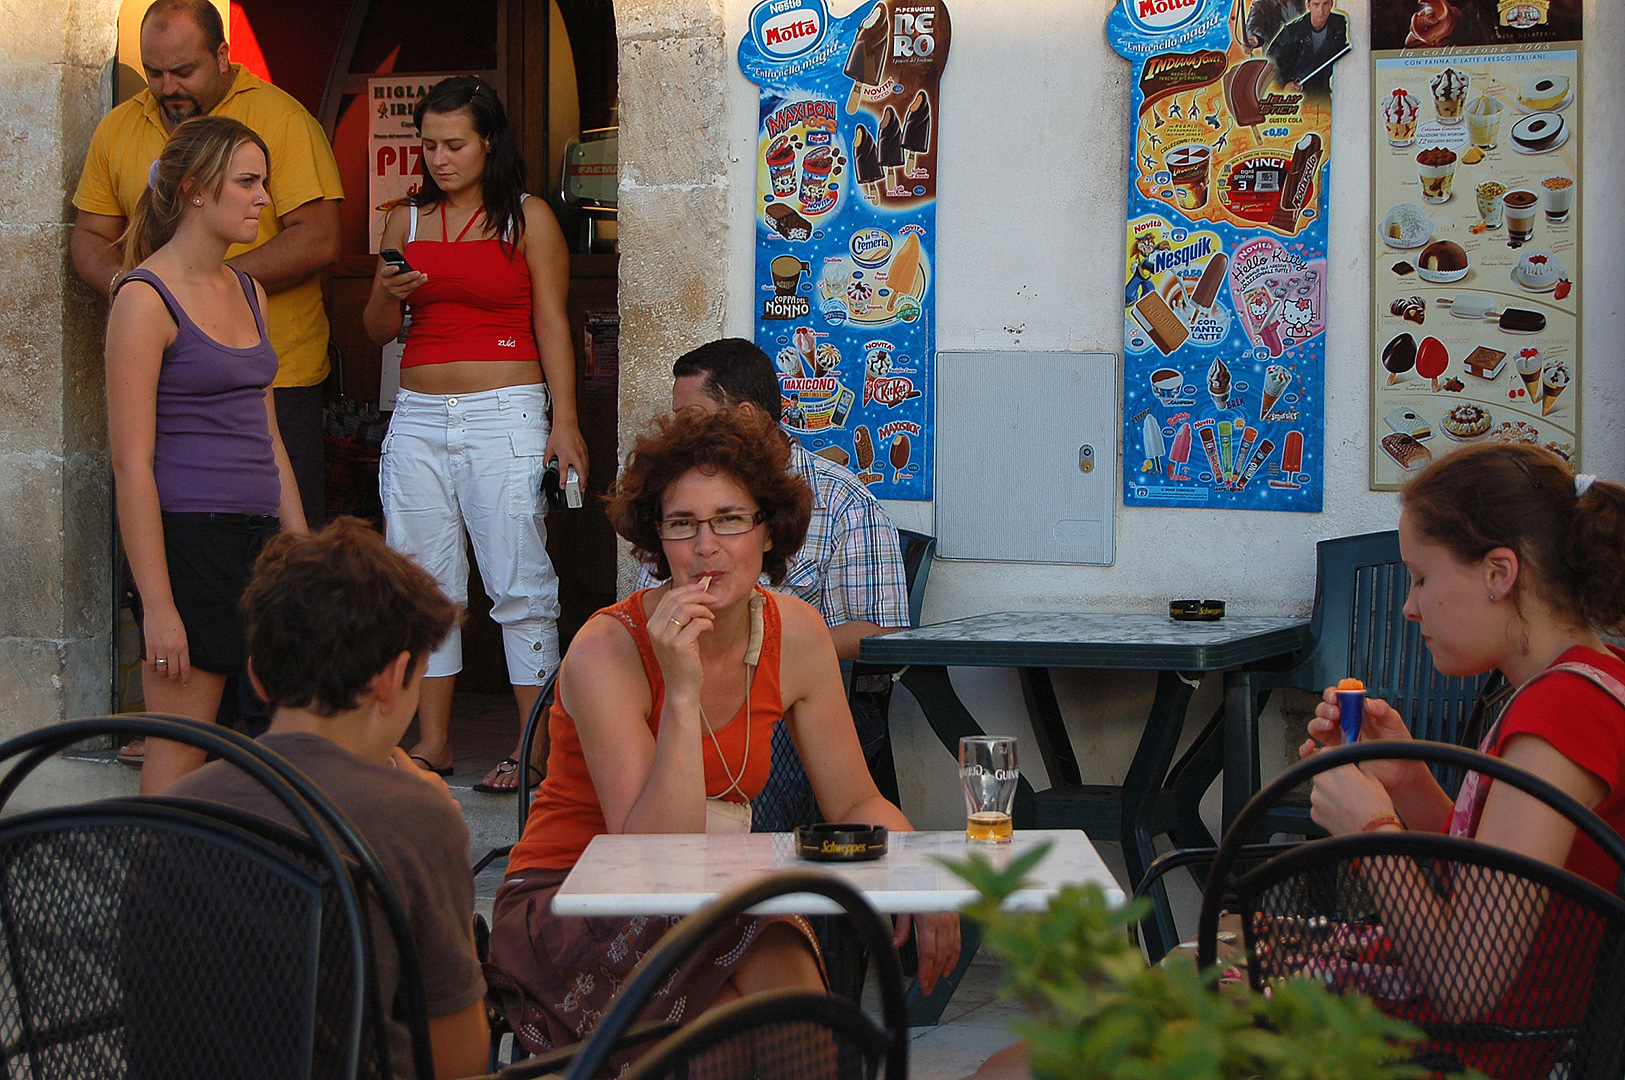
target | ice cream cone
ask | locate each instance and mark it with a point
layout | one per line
(1531, 383)
(1548, 397)
(1269, 402)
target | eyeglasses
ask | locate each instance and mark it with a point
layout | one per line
(686, 528)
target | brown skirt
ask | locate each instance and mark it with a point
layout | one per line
(553, 976)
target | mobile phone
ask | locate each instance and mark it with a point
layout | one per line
(393, 257)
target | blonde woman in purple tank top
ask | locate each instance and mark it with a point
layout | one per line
(202, 478)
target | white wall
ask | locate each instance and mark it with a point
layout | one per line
(1032, 199)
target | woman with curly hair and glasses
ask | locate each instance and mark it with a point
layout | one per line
(663, 723)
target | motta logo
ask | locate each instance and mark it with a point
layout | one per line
(1161, 16)
(785, 29)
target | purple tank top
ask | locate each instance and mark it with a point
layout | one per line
(213, 447)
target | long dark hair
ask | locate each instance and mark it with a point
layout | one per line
(1524, 498)
(504, 179)
(195, 159)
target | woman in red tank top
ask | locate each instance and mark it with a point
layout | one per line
(646, 727)
(1515, 566)
(487, 346)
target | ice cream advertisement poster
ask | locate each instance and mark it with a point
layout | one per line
(1477, 213)
(1225, 277)
(845, 285)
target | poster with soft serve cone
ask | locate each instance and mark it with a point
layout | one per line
(846, 227)
(1476, 248)
(1225, 255)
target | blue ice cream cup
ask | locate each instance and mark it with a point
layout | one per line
(1351, 710)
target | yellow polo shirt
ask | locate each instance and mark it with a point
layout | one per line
(302, 169)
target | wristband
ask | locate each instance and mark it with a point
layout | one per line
(1380, 820)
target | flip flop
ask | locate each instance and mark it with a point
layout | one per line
(506, 767)
(133, 752)
(428, 766)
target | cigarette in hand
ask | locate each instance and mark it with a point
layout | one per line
(705, 583)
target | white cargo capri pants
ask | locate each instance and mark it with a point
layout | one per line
(475, 461)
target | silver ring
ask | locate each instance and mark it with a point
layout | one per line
(160, 663)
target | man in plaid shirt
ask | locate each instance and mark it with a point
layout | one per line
(850, 567)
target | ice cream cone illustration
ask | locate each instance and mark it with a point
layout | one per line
(1275, 379)
(905, 265)
(1218, 383)
(1529, 362)
(1554, 379)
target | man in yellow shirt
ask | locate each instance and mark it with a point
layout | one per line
(189, 73)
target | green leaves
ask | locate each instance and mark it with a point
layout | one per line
(1098, 1013)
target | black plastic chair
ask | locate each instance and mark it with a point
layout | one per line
(777, 1023)
(1512, 1010)
(1360, 631)
(527, 742)
(172, 937)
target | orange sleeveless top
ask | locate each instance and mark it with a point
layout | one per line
(565, 815)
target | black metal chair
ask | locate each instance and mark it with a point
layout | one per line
(168, 937)
(527, 742)
(1325, 909)
(1360, 631)
(786, 1034)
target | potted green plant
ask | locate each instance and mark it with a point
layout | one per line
(1098, 1012)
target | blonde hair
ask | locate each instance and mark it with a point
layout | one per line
(194, 159)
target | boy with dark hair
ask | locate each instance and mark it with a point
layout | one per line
(338, 629)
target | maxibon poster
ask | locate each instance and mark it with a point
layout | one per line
(1225, 276)
(1476, 229)
(845, 278)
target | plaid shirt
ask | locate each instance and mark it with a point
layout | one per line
(850, 566)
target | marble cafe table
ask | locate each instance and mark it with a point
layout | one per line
(675, 874)
(1158, 795)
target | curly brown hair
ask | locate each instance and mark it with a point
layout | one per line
(747, 446)
(329, 611)
(1525, 498)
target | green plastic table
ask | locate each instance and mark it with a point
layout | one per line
(1158, 795)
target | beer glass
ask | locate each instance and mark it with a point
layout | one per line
(988, 773)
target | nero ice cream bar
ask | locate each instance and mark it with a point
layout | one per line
(867, 59)
(917, 125)
(1261, 455)
(866, 158)
(1207, 288)
(891, 143)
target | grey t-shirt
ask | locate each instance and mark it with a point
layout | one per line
(421, 844)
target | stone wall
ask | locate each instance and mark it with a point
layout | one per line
(55, 497)
(673, 219)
